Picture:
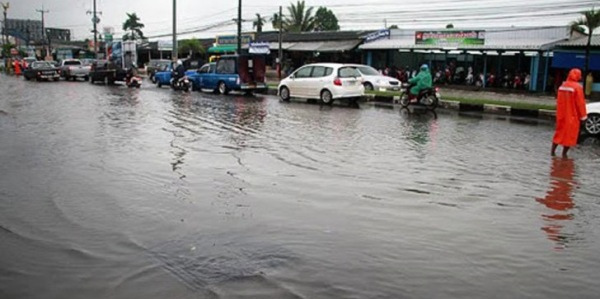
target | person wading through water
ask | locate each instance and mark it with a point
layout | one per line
(570, 111)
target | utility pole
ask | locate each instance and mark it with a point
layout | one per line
(43, 12)
(95, 21)
(174, 55)
(280, 54)
(5, 7)
(239, 29)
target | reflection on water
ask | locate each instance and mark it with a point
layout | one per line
(559, 200)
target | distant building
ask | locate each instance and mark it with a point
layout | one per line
(28, 31)
(58, 34)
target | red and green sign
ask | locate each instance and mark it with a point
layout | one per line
(450, 38)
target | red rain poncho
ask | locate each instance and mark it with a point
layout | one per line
(570, 110)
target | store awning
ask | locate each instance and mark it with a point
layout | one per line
(326, 46)
(568, 60)
(222, 49)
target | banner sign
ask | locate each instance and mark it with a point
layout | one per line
(232, 39)
(259, 48)
(450, 38)
(377, 35)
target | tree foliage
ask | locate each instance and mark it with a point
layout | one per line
(300, 18)
(134, 26)
(190, 47)
(275, 21)
(590, 21)
(259, 23)
(325, 20)
(450, 26)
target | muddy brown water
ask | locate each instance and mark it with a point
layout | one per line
(107, 192)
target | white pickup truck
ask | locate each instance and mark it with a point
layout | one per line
(71, 69)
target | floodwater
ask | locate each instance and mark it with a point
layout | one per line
(107, 192)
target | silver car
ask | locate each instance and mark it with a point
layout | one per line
(373, 80)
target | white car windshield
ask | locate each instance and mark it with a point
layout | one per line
(40, 64)
(368, 71)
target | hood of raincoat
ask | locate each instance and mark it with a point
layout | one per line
(574, 75)
(424, 67)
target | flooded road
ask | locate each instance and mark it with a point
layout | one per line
(107, 192)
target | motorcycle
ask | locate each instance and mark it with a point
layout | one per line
(134, 82)
(429, 97)
(182, 83)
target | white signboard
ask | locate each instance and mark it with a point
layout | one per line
(259, 48)
(165, 45)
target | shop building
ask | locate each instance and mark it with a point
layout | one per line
(496, 53)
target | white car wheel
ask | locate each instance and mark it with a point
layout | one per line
(592, 124)
(284, 94)
(326, 97)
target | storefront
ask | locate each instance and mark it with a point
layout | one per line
(517, 58)
(571, 54)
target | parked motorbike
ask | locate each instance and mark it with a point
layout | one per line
(134, 82)
(429, 97)
(182, 83)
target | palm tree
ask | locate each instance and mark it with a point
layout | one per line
(258, 23)
(275, 21)
(133, 24)
(300, 18)
(590, 20)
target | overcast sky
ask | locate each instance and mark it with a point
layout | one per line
(206, 17)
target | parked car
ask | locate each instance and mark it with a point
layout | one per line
(373, 80)
(105, 71)
(154, 66)
(323, 81)
(244, 73)
(592, 124)
(41, 70)
(71, 69)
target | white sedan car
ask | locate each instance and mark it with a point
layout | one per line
(373, 80)
(592, 124)
(323, 81)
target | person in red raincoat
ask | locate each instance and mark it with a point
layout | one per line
(570, 111)
(17, 66)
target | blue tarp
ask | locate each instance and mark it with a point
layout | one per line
(567, 60)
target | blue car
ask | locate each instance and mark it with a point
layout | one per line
(164, 77)
(244, 73)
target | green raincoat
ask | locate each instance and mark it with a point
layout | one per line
(422, 81)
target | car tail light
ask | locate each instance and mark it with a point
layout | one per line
(238, 81)
(437, 89)
(39, 73)
(70, 68)
(337, 82)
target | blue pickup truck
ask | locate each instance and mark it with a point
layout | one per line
(164, 77)
(245, 73)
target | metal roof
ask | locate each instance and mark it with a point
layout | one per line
(581, 42)
(518, 39)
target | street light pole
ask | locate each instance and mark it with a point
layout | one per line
(95, 21)
(5, 7)
(174, 55)
(280, 54)
(239, 29)
(43, 12)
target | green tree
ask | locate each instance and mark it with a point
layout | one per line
(300, 18)
(190, 47)
(325, 20)
(450, 26)
(394, 27)
(133, 24)
(591, 21)
(258, 23)
(275, 21)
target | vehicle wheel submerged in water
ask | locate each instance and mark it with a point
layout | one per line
(592, 124)
(326, 97)
(284, 94)
(222, 88)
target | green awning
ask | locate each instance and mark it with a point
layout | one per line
(222, 49)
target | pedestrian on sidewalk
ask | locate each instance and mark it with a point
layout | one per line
(570, 111)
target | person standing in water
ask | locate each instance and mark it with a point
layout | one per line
(570, 111)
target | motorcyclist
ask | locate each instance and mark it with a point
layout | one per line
(179, 70)
(132, 71)
(421, 82)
